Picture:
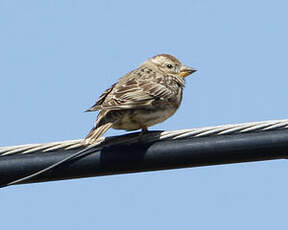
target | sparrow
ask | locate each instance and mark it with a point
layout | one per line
(142, 98)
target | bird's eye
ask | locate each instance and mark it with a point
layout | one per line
(169, 66)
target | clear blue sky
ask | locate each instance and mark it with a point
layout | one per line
(58, 56)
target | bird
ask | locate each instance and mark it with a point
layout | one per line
(142, 98)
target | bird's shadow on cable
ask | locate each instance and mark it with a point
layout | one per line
(127, 151)
(117, 153)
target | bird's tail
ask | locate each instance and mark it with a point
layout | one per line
(96, 133)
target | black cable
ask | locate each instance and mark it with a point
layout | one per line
(141, 156)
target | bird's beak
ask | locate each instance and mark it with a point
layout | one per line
(186, 71)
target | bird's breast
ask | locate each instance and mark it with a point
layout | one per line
(143, 118)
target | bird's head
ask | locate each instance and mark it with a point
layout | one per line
(169, 65)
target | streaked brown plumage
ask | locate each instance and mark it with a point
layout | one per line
(144, 97)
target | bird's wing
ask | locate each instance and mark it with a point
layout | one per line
(101, 99)
(134, 92)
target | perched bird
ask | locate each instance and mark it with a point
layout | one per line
(144, 97)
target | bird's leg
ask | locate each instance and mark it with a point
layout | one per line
(144, 130)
